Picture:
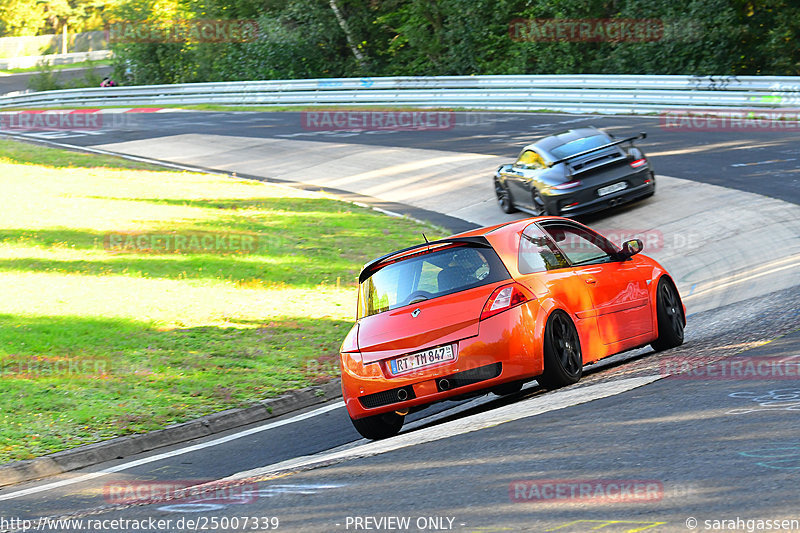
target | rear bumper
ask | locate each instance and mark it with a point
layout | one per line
(589, 202)
(498, 354)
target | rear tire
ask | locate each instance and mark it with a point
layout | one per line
(379, 426)
(671, 321)
(563, 359)
(539, 207)
(651, 193)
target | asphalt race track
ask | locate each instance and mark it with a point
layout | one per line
(764, 162)
(632, 447)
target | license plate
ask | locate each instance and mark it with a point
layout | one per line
(418, 360)
(602, 191)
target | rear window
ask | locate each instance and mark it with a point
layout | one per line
(579, 145)
(427, 276)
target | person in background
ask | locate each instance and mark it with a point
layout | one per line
(108, 82)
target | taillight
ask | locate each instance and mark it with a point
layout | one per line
(567, 185)
(638, 163)
(504, 298)
(350, 342)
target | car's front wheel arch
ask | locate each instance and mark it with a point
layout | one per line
(670, 318)
(668, 279)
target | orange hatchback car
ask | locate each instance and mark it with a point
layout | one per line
(489, 309)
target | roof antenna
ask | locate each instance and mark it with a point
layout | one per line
(427, 241)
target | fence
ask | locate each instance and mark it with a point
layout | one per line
(567, 93)
(35, 45)
(54, 59)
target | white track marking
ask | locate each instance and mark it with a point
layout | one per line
(763, 162)
(527, 408)
(524, 409)
(756, 272)
(456, 410)
(173, 453)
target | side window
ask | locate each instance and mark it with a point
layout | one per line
(580, 245)
(530, 159)
(537, 252)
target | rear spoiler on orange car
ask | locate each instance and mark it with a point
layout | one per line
(377, 264)
(642, 135)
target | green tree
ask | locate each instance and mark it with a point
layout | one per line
(21, 17)
(331, 38)
(38, 17)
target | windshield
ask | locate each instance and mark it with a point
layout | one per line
(579, 145)
(427, 276)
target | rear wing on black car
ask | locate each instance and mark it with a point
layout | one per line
(642, 135)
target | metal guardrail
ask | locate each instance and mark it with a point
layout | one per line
(571, 93)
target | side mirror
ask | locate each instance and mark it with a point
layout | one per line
(631, 248)
(503, 168)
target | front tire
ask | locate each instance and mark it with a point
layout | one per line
(563, 359)
(503, 197)
(379, 426)
(669, 311)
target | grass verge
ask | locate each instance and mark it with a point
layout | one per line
(81, 64)
(99, 340)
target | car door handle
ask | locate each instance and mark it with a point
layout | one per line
(590, 281)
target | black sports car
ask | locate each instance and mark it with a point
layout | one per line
(573, 173)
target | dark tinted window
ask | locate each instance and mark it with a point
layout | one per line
(429, 276)
(579, 145)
